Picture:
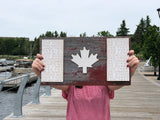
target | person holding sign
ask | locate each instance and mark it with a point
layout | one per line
(87, 102)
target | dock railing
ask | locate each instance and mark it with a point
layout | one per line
(17, 112)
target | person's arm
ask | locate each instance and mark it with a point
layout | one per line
(133, 63)
(38, 66)
(61, 87)
(112, 87)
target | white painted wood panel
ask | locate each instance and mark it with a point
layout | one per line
(117, 49)
(52, 52)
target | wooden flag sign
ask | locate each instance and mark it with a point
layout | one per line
(85, 61)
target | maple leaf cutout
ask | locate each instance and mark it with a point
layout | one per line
(85, 60)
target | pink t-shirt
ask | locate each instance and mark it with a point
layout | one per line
(88, 103)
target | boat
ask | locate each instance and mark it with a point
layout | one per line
(25, 63)
(3, 62)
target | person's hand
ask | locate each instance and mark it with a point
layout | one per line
(38, 65)
(132, 61)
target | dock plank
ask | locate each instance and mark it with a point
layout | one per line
(140, 101)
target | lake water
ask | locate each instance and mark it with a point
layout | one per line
(7, 99)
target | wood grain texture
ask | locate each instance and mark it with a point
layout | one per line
(97, 73)
(140, 101)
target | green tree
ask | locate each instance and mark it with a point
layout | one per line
(63, 34)
(31, 48)
(151, 45)
(83, 34)
(35, 46)
(104, 34)
(56, 34)
(135, 46)
(14, 46)
(147, 23)
(15, 50)
(48, 34)
(138, 37)
(123, 30)
(3, 47)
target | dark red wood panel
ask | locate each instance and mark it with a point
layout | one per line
(96, 75)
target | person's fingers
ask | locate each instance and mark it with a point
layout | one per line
(39, 56)
(134, 62)
(36, 67)
(37, 64)
(40, 62)
(131, 52)
(130, 58)
(39, 67)
(134, 67)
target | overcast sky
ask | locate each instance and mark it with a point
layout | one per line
(30, 18)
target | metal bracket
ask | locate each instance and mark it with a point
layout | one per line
(48, 90)
(1, 86)
(19, 97)
(36, 92)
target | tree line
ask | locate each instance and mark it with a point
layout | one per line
(145, 41)
(14, 46)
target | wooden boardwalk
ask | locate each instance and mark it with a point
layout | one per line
(140, 101)
(50, 108)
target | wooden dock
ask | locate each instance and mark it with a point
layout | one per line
(4, 69)
(17, 82)
(17, 72)
(50, 107)
(140, 101)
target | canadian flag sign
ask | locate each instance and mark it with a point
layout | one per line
(85, 61)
